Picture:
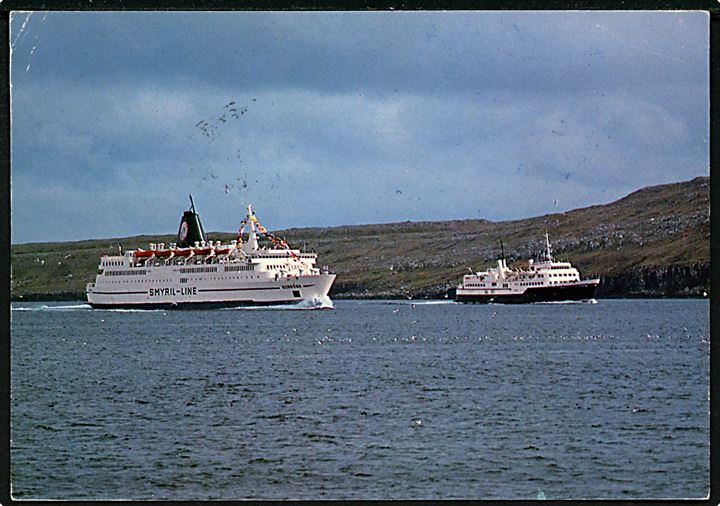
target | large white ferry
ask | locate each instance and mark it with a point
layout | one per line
(544, 281)
(197, 273)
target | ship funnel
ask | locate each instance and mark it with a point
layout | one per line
(501, 261)
(191, 230)
(501, 269)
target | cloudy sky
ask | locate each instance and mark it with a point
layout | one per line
(322, 119)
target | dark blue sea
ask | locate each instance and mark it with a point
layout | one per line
(369, 400)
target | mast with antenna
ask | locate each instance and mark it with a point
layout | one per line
(548, 253)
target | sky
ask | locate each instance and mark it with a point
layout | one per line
(343, 118)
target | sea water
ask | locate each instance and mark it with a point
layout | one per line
(368, 400)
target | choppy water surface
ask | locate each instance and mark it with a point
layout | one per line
(373, 400)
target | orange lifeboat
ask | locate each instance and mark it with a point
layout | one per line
(141, 253)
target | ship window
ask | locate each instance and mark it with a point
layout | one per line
(494, 284)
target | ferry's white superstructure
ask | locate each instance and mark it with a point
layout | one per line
(545, 280)
(205, 274)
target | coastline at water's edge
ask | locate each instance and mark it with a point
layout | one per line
(677, 282)
(654, 243)
(73, 297)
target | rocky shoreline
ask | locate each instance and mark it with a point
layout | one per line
(641, 284)
(672, 282)
(652, 243)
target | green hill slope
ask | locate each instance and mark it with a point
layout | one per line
(654, 242)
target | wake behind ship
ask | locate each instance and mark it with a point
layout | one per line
(545, 281)
(196, 273)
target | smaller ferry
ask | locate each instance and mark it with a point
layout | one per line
(546, 280)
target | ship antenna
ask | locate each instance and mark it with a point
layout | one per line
(192, 204)
(549, 250)
(502, 250)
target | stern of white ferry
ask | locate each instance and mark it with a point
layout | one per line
(89, 289)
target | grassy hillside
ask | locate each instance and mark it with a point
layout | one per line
(656, 232)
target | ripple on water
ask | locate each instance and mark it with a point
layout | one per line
(509, 399)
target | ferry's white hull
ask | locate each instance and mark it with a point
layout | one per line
(195, 273)
(164, 290)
